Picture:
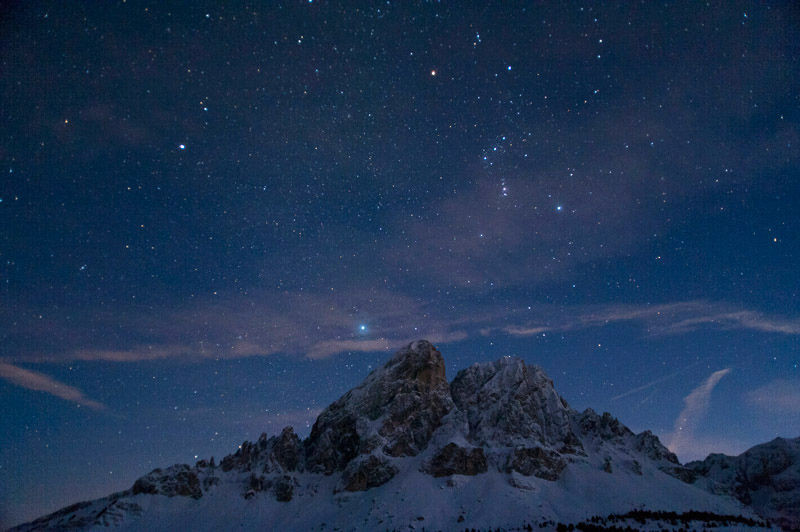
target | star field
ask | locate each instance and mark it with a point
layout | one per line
(217, 218)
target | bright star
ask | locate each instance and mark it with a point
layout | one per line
(362, 328)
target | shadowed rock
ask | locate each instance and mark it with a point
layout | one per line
(536, 462)
(176, 481)
(455, 460)
(362, 475)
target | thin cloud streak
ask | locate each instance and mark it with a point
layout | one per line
(42, 383)
(333, 347)
(660, 320)
(523, 331)
(737, 320)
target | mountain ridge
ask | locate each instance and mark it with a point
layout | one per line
(406, 447)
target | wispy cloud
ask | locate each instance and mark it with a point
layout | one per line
(781, 396)
(315, 325)
(742, 319)
(320, 325)
(514, 330)
(656, 320)
(684, 439)
(42, 383)
(331, 347)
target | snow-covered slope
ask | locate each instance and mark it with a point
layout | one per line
(495, 448)
(765, 477)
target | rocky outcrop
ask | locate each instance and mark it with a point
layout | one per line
(605, 427)
(176, 481)
(371, 472)
(265, 461)
(277, 454)
(286, 452)
(684, 474)
(244, 458)
(649, 445)
(536, 462)
(455, 460)
(334, 440)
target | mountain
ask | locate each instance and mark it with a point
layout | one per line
(765, 477)
(406, 450)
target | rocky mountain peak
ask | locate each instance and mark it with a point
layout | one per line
(509, 403)
(420, 362)
(393, 412)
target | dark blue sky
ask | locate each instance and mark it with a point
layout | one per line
(217, 218)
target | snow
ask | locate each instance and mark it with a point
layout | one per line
(484, 501)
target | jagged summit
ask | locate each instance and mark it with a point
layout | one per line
(419, 363)
(508, 403)
(405, 446)
(392, 413)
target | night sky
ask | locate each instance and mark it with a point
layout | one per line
(216, 218)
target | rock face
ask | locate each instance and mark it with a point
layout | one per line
(766, 477)
(605, 427)
(176, 481)
(363, 474)
(536, 462)
(281, 487)
(406, 428)
(509, 404)
(454, 460)
(649, 445)
(396, 409)
(267, 455)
